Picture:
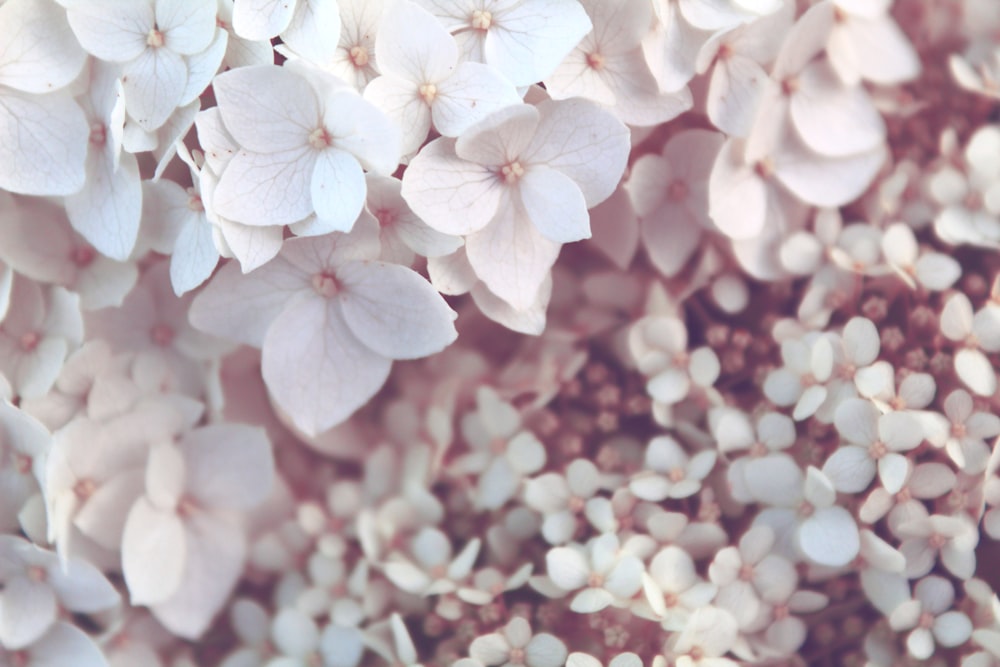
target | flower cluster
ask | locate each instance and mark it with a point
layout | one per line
(482, 333)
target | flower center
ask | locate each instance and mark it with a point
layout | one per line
(37, 573)
(676, 474)
(670, 599)
(780, 612)
(325, 285)
(758, 449)
(385, 216)
(595, 61)
(29, 341)
(764, 168)
(926, 620)
(194, 201)
(595, 580)
(790, 85)
(22, 463)
(481, 20)
(877, 449)
(359, 56)
(85, 488)
(576, 504)
(958, 430)
(936, 541)
(187, 506)
(320, 138)
(154, 38)
(162, 334)
(98, 134)
(428, 92)
(746, 572)
(516, 656)
(512, 172)
(83, 255)
(677, 191)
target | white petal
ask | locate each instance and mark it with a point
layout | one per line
(554, 204)
(215, 560)
(511, 256)
(450, 194)
(774, 480)
(228, 465)
(337, 188)
(567, 568)
(294, 633)
(937, 272)
(974, 369)
(469, 94)
(38, 52)
(65, 644)
(266, 188)
(830, 537)
(834, 119)
(154, 553)
(585, 142)
(154, 84)
(952, 628)
(394, 311)
(261, 19)
(524, 45)
(194, 257)
(27, 610)
(112, 31)
(850, 468)
(267, 108)
(827, 181)
(315, 368)
(857, 421)
(312, 24)
(545, 650)
(591, 600)
(43, 143)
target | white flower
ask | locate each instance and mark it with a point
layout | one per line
(46, 132)
(154, 41)
(432, 570)
(933, 270)
(355, 60)
(923, 481)
(738, 57)
(525, 41)
(330, 320)
(962, 431)
(801, 381)
(43, 325)
(62, 645)
(37, 585)
(303, 145)
(750, 575)
(708, 636)
(865, 43)
(953, 537)
(756, 475)
(968, 194)
(673, 588)
(811, 524)
(877, 383)
(978, 333)
(24, 443)
(65, 258)
(503, 452)
(402, 233)
(517, 185)
(561, 498)
(876, 441)
(107, 210)
(669, 192)
(670, 472)
(515, 645)
(423, 80)
(930, 617)
(607, 574)
(609, 66)
(183, 546)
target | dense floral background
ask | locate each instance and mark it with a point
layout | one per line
(481, 333)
